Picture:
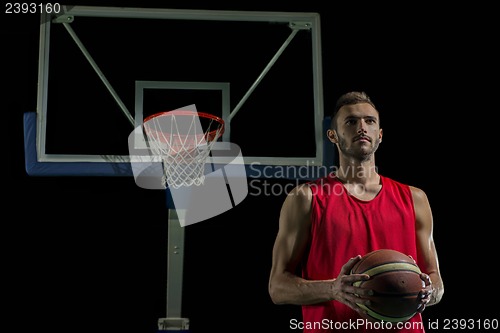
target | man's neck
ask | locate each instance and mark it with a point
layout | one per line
(358, 173)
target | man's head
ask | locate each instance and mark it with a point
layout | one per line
(349, 98)
(355, 127)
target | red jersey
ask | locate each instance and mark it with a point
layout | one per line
(344, 226)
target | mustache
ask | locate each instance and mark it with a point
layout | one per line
(362, 136)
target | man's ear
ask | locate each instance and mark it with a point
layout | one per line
(380, 135)
(332, 135)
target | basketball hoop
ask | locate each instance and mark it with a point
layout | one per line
(182, 139)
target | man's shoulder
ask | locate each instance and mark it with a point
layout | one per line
(303, 189)
(300, 196)
(413, 189)
(386, 180)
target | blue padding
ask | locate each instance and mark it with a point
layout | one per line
(36, 168)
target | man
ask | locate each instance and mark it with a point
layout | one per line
(326, 226)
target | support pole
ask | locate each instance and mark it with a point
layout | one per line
(173, 322)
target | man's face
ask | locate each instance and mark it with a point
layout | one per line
(358, 130)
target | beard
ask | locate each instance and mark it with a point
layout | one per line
(359, 153)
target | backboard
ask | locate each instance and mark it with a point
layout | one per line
(103, 70)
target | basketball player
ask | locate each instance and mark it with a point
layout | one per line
(326, 225)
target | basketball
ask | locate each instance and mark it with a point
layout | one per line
(395, 281)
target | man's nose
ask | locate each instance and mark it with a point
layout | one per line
(362, 127)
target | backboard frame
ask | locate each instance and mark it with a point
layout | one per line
(296, 20)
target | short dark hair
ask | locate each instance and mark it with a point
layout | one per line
(350, 98)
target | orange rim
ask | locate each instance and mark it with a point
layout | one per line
(209, 136)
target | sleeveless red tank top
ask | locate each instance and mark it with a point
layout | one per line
(344, 226)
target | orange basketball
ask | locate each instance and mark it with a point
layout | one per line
(396, 283)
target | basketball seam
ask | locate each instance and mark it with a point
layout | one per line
(389, 295)
(392, 266)
(377, 270)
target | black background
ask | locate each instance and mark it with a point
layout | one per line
(89, 254)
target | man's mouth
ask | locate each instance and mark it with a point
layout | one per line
(363, 138)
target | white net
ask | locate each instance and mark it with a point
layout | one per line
(183, 140)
